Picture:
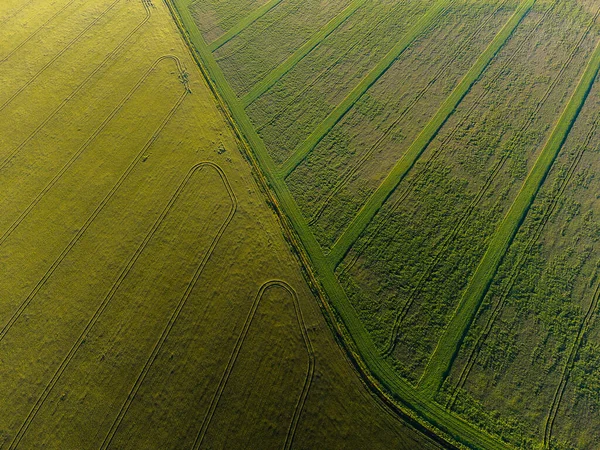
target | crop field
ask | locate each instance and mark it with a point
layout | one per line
(436, 163)
(151, 295)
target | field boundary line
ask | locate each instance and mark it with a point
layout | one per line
(175, 315)
(449, 344)
(280, 71)
(106, 301)
(497, 167)
(416, 149)
(243, 24)
(40, 28)
(58, 55)
(78, 89)
(235, 354)
(346, 177)
(423, 24)
(6, 328)
(382, 379)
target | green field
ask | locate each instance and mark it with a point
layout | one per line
(435, 161)
(151, 295)
(299, 224)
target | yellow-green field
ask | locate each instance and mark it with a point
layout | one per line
(149, 297)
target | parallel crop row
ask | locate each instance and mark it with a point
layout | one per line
(458, 326)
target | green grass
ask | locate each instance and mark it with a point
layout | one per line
(243, 24)
(304, 149)
(416, 149)
(273, 77)
(448, 345)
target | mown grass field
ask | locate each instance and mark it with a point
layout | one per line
(150, 296)
(436, 162)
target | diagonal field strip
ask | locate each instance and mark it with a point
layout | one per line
(397, 174)
(466, 216)
(376, 371)
(280, 71)
(449, 343)
(243, 24)
(515, 271)
(422, 25)
(491, 84)
(347, 176)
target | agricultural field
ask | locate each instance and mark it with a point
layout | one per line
(436, 164)
(152, 295)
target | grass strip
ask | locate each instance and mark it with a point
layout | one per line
(280, 71)
(416, 149)
(242, 25)
(304, 149)
(447, 348)
(409, 402)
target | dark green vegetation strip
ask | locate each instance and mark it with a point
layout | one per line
(389, 184)
(450, 342)
(304, 149)
(243, 24)
(299, 54)
(376, 369)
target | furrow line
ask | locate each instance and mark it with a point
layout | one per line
(310, 370)
(14, 13)
(75, 156)
(40, 401)
(96, 212)
(58, 55)
(175, 315)
(78, 89)
(32, 35)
